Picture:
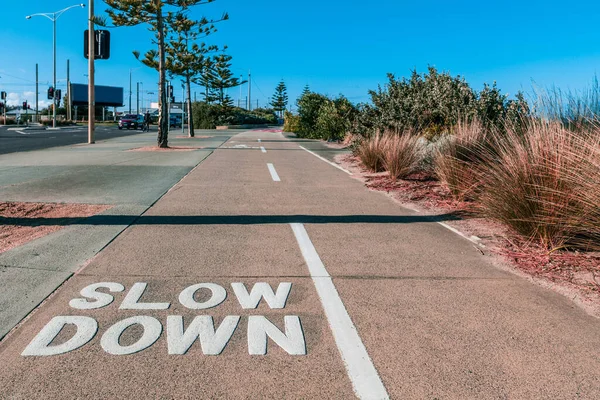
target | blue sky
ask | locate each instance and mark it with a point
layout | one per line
(334, 46)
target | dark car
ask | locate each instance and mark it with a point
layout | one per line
(130, 121)
(175, 121)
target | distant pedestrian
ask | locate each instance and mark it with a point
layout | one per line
(147, 121)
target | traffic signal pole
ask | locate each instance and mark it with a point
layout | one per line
(91, 94)
(37, 111)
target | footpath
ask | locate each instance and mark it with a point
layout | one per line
(268, 273)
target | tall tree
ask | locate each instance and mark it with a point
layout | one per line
(219, 78)
(280, 99)
(189, 61)
(158, 14)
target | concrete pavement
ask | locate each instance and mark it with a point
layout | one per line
(103, 173)
(235, 284)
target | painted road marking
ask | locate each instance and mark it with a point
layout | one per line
(213, 339)
(361, 371)
(273, 172)
(259, 140)
(263, 149)
(326, 160)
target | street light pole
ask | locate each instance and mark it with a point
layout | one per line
(53, 17)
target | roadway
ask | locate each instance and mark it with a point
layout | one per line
(14, 140)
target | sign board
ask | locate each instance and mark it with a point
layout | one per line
(107, 96)
(101, 44)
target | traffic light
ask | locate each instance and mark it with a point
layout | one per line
(170, 91)
(3, 95)
(25, 105)
(50, 93)
(172, 99)
(58, 94)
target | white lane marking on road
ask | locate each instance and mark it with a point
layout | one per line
(327, 161)
(263, 149)
(273, 172)
(362, 373)
(259, 140)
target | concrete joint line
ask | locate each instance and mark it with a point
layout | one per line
(327, 161)
(359, 367)
(273, 172)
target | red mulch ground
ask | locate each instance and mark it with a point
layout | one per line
(574, 272)
(170, 148)
(195, 137)
(13, 235)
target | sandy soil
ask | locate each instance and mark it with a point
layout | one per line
(573, 274)
(17, 232)
(170, 148)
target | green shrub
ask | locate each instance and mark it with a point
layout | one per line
(433, 103)
(208, 116)
(323, 118)
(291, 122)
(309, 105)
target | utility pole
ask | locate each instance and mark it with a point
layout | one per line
(68, 105)
(249, 90)
(129, 90)
(37, 92)
(137, 98)
(182, 106)
(91, 91)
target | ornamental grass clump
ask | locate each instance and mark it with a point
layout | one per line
(401, 153)
(543, 183)
(458, 159)
(370, 152)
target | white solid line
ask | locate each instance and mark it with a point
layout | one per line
(273, 173)
(361, 371)
(259, 140)
(470, 239)
(327, 161)
(263, 149)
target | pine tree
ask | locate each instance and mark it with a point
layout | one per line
(280, 99)
(158, 14)
(217, 78)
(189, 62)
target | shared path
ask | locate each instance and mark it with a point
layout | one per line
(267, 273)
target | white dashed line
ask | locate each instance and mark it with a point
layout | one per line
(263, 149)
(327, 161)
(273, 173)
(361, 371)
(259, 140)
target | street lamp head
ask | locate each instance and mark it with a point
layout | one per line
(82, 5)
(28, 17)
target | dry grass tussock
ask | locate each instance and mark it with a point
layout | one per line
(457, 159)
(370, 152)
(401, 154)
(543, 182)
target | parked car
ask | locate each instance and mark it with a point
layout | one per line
(175, 121)
(129, 121)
